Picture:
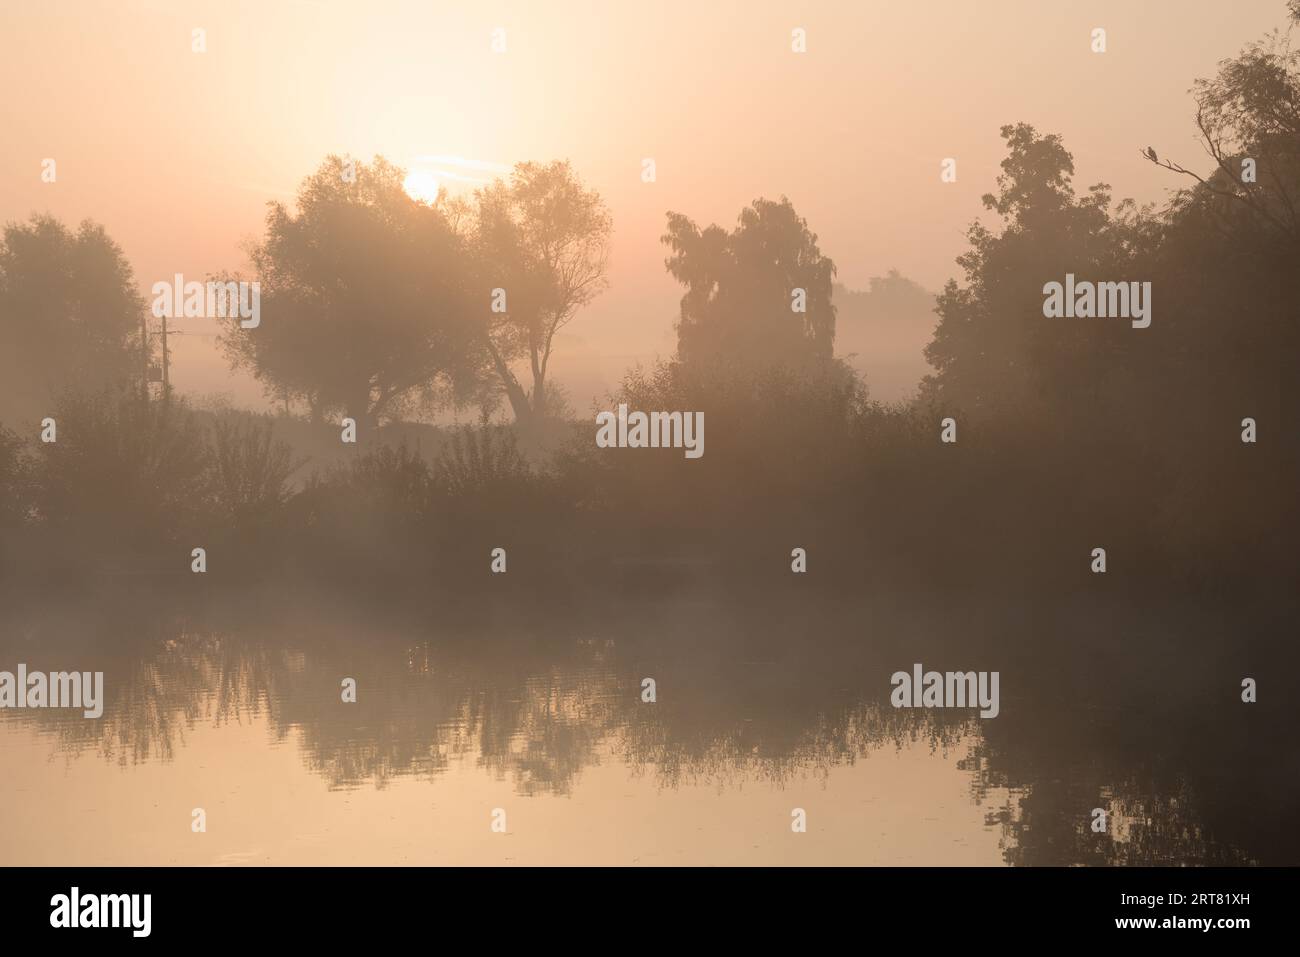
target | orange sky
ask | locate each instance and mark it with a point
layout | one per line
(177, 152)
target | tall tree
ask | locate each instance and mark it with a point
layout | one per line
(1248, 120)
(364, 307)
(1228, 256)
(993, 352)
(739, 308)
(69, 313)
(542, 238)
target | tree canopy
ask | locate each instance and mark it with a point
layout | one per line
(738, 308)
(543, 238)
(69, 313)
(364, 299)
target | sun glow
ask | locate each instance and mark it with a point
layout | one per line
(422, 186)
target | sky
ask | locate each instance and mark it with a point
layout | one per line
(177, 153)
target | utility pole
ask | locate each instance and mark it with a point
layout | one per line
(166, 370)
(144, 350)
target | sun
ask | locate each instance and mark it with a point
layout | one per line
(421, 186)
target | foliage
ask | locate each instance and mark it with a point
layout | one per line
(363, 298)
(69, 312)
(737, 309)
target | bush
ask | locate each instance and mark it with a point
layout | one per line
(247, 470)
(483, 462)
(123, 470)
(15, 480)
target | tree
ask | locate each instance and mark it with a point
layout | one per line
(543, 238)
(993, 352)
(69, 313)
(364, 307)
(1250, 112)
(738, 309)
(1228, 255)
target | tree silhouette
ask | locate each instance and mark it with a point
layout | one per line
(994, 353)
(1251, 111)
(543, 238)
(69, 313)
(738, 306)
(363, 300)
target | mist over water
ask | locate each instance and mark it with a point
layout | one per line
(763, 707)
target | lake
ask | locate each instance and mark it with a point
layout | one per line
(492, 734)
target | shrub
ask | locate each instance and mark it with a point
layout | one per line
(122, 470)
(248, 470)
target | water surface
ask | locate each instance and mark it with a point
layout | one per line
(761, 709)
